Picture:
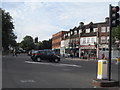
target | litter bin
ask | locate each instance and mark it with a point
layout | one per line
(102, 69)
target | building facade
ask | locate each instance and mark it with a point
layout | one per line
(88, 41)
(56, 41)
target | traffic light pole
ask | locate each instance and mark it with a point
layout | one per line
(110, 35)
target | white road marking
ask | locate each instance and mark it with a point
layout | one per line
(54, 64)
(66, 69)
(27, 81)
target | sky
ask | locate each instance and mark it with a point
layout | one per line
(42, 19)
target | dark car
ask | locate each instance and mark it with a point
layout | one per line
(45, 55)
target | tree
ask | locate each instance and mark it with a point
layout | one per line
(45, 44)
(27, 43)
(40, 45)
(116, 34)
(8, 36)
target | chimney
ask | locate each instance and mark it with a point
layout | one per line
(107, 19)
(81, 24)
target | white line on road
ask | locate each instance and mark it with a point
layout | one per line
(27, 81)
(54, 64)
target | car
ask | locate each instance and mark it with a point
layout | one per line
(45, 55)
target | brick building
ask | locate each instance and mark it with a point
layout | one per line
(91, 39)
(56, 41)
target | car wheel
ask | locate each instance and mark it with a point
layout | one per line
(38, 59)
(56, 60)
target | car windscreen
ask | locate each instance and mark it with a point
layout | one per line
(35, 51)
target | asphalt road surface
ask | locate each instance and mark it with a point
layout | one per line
(22, 72)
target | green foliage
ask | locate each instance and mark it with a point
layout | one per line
(8, 36)
(46, 44)
(116, 34)
(27, 43)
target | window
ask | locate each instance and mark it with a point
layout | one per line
(103, 29)
(68, 34)
(95, 29)
(80, 31)
(108, 29)
(71, 32)
(84, 40)
(88, 40)
(87, 30)
(92, 40)
(75, 32)
(103, 39)
(107, 39)
(64, 36)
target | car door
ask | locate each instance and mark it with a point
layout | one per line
(42, 55)
(50, 55)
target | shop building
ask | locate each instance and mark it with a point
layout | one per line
(56, 41)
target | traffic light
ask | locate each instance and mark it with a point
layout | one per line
(114, 16)
(36, 40)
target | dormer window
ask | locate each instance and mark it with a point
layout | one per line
(75, 32)
(87, 30)
(71, 32)
(80, 31)
(68, 34)
(95, 29)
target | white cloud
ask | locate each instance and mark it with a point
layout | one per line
(44, 19)
(60, 0)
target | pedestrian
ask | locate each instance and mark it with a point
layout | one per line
(103, 56)
(82, 54)
(14, 52)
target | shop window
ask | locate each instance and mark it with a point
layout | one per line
(88, 40)
(92, 40)
(84, 40)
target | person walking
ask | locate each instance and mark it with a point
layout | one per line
(14, 52)
(103, 56)
(82, 55)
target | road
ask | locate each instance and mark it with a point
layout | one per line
(22, 72)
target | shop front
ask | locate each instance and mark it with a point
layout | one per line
(88, 52)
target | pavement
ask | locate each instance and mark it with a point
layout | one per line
(80, 59)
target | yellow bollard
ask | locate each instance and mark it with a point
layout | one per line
(118, 60)
(102, 69)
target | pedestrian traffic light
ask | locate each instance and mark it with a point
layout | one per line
(114, 16)
(36, 40)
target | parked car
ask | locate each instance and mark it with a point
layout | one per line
(45, 55)
(31, 52)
